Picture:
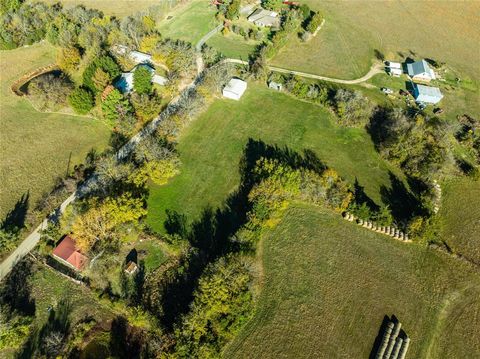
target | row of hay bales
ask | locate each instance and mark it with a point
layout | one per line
(388, 230)
(438, 196)
(392, 345)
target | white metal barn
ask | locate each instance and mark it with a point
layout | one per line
(427, 94)
(234, 89)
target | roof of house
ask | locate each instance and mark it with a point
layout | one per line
(138, 56)
(68, 251)
(428, 93)
(236, 86)
(419, 68)
(264, 17)
(125, 81)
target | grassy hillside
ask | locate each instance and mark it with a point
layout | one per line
(117, 8)
(34, 146)
(327, 285)
(443, 30)
(460, 217)
(189, 22)
(211, 147)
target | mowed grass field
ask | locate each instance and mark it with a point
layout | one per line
(189, 22)
(35, 146)
(233, 45)
(327, 285)
(447, 31)
(460, 217)
(211, 147)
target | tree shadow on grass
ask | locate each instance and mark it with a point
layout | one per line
(15, 219)
(49, 339)
(125, 341)
(16, 290)
(361, 197)
(211, 235)
(403, 203)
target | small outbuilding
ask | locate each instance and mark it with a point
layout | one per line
(393, 65)
(68, 253)
(264, 18)
(420, 71)
(427, 94)
(275, 86)
(234, 89)
(131, 268)
(394, 71)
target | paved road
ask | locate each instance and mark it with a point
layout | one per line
(376, 69)
(30, 242)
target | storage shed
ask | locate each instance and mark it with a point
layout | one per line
(234, 89)
(427, 94)
(275, 85)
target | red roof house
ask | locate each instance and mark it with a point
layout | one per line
(67, 252)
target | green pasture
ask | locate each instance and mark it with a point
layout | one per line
(327, 285)
(35, 147)
(211, 147)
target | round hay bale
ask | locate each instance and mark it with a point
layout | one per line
(404, 348)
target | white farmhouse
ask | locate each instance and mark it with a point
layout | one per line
(140, 57)
(136, 56)
(427, 94)
(420, 71)
(264, 18)
(234, 89)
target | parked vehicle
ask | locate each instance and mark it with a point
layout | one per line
(386, 90)
(437, 111)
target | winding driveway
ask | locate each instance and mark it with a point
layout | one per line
(375, 69)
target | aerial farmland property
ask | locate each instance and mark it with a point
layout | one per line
(239, 179)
